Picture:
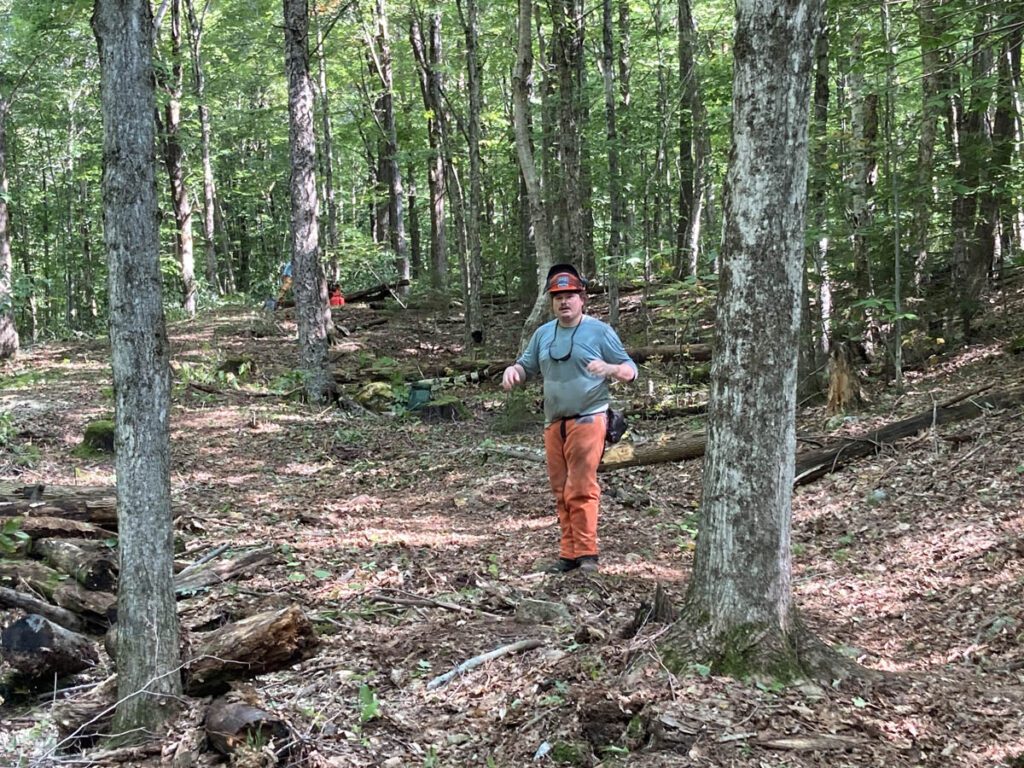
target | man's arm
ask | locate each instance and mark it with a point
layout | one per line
(620, 372)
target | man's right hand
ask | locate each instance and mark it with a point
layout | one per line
(514, 375)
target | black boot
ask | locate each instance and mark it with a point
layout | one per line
(563, 565)
(587, 563)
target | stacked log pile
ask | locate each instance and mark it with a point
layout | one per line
(58, 582)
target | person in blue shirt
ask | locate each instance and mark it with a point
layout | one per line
(577, 356)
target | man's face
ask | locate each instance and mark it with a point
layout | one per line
(567, 306)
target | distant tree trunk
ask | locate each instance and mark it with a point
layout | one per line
(932, 63)
(524, 151)
(817, 326)
(148, 659)
(327, 149)
(739, 614)
(9, 341)
(174, 161)
(380, 49)
(864, 178)
(972, 231)
(415, 249)
(627, 154)
(1003, 138)
(690, 184)
(473, 278)
(310, 287)
(566, 51)
(614, 180)
(428, 59)
(195, 37)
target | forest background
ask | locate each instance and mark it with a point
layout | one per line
(915, 153)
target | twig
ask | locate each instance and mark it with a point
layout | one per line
(476, 661)
(215, 552)
(416, 601)
(516, 453)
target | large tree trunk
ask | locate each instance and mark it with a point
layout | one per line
(148, 677)
(528, 168)
(9, 341)
(195, 37)
(739, 611)
(309, 284)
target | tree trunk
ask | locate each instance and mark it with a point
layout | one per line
(428, 60)
(692, 152)
(195, 26)
(973, 241)
(614, 181)
(327, 145)
(739, 611)
(174, 162)
(567, 51)
(310, 287)
(9, 341)
(473, 278)
(380, 51)
(524, 151)
(148, 677)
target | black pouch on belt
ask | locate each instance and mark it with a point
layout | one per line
(617, 426)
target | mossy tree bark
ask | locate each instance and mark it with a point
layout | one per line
(149, 680)
(739, 614)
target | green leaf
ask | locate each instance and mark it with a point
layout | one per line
(369, 704)
(296, 576)
(859, 703)
(322, 574)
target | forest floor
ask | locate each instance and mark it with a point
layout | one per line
(413, 547)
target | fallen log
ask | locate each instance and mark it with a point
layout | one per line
(698, 352)
(814, 464)
(37, 526)
(375, 293)
(92, 567)
(90, 504)
(232, 724)
(13, 598)
(99, 609)
(206, 573)
(30, 575)
(261, 643)
(80, 720)
(810, 465)
(621, 455)
(37, 647)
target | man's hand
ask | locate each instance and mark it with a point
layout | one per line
(610, 371)
(514, 375)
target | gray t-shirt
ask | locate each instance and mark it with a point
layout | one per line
(569, 390)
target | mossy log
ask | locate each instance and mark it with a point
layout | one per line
(37, 648)
(30, 574)
(253, 646)
(48, 527)
(91, 566)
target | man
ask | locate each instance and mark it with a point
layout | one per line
(577, 356)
